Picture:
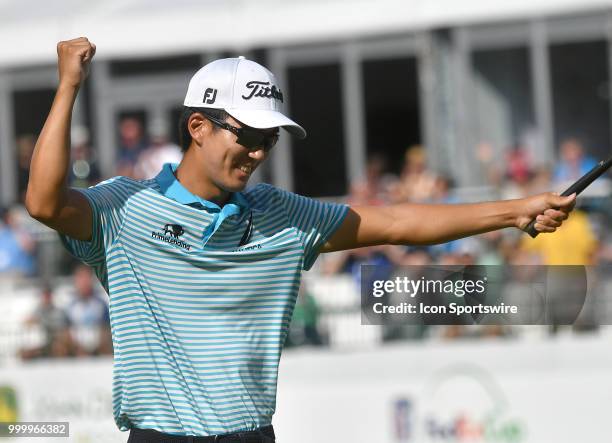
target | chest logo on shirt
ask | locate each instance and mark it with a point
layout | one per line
(174, 230)
(171, 234)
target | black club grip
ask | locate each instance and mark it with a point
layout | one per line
(577, 187)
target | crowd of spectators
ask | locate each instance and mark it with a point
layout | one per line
(580, 241)
(142, 154)
(78, 328)
(81, 328)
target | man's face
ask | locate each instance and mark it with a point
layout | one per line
(228, 164)
(571, 151)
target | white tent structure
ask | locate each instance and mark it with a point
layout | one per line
(137, 28)
(457, 105)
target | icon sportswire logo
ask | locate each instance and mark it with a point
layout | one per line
(171, 234)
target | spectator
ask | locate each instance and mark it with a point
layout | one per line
(88, 315)
(54, 323)
(441, 191)
(416, 183)
(303, 329)
(485, 154)
(518, 165)
(84, 171)
(17, 247)
(25, 149)
(152, 159)
(382, 258)
(574, 163)
(542, 179)
(574, 243)
(441, 194)
(370, 190)
(519, 173)
(131, 144)
(493, 249)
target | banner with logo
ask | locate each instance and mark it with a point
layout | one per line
(555, 391)
(550, 390)
(73, 391)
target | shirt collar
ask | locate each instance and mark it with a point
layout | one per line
(172, 188)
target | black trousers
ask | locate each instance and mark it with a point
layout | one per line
(264, 434)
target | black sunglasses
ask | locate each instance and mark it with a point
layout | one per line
(248, 137)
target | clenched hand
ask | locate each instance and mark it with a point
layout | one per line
(74, 57)
(549, 210)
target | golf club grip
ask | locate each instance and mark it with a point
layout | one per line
(577, 187)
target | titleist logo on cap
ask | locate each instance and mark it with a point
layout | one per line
(262, 89)
(245, 89)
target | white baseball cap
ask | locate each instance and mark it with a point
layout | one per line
(245, 90)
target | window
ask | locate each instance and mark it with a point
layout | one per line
(30, 109)
(580, 89)
(503, 95)
(319, 166)
(392, 111)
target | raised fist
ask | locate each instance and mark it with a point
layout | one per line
(73, 59)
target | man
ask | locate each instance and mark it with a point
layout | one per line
(88, 316)
(202, 275)
(54, 323)
(17, 246)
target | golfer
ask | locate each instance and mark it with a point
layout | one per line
(202, 273)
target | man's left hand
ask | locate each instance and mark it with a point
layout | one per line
(549, 209)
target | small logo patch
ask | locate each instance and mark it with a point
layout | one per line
(171, 235)
(210, 95)
(174, 230)
(247, 248)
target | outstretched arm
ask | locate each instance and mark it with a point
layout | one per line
(48, 198)
(422, 224)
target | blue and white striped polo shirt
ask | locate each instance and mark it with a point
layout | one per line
(198, 322)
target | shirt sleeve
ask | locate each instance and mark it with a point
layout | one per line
(108, 201)
(314, 220)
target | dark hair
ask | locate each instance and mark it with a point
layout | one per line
(184, 135)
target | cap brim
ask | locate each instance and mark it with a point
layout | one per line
(263, 119)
